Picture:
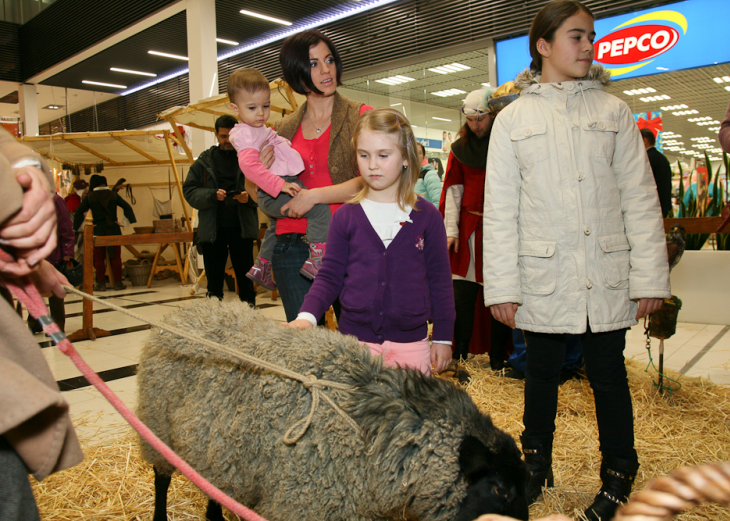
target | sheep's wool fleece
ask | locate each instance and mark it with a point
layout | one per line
(227, 420)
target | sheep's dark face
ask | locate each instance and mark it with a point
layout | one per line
(496, 479)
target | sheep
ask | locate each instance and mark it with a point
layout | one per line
(424, 451)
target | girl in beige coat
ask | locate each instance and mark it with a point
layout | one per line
(573, 239)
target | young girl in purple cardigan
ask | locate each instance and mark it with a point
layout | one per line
(386, 256)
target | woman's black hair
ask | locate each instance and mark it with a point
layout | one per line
(547, 21)
(294, 60)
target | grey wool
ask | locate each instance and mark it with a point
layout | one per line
(227, 420)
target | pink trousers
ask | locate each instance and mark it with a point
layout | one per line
(412, 354)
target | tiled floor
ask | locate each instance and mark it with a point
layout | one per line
(696, 349)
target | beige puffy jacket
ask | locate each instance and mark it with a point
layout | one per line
(572, 224)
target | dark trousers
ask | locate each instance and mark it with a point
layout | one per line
(606, 371)
(215, 255)
(58, 314)
(115, 256)
(465, 299)
(16, 497)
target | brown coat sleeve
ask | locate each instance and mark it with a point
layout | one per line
(33, 415)
(11, 194)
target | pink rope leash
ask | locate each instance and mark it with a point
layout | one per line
(28, 295)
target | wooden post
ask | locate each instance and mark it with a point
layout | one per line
(179, 184)
(88, 331)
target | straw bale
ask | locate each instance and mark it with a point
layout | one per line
(690, 429)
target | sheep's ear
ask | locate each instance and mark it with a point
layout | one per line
(473, 458)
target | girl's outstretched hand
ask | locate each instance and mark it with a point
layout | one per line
(505, 313)
(440, 357)
(647, 306)
(300, 324)
(497, 517)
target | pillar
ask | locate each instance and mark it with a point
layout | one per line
(202, 54)
(28, 109)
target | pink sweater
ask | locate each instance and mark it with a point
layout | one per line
(247, 141)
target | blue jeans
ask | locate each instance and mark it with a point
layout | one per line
(287, 260)
(16, 497)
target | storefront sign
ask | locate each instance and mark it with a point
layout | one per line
(673, 37)
(430, 143)
(10, 124)
(654, 122)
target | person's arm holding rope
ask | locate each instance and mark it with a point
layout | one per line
(27, 212)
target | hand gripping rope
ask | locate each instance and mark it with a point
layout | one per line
(28, 295)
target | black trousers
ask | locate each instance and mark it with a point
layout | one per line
(16, 496)
(606, 371)
(465, 299)
(215, 255)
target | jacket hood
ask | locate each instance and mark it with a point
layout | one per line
(529, 77)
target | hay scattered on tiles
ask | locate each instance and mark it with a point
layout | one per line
(113, 483)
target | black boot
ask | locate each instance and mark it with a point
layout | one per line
(618, 477)
(539, 458)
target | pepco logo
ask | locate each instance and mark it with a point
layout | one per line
(637, 46)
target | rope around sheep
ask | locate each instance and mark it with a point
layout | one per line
(310, 382)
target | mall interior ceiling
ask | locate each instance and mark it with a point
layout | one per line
(416, 36)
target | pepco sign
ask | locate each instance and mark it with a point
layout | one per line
(682, 35)
(635, 44)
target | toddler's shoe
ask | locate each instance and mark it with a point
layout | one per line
(311, 266)
(261, 274)
(100, 286)
(119, 285)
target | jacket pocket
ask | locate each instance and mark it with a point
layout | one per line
(538, 267)
(412, 316)
(601, 138)
(531, 143)
(614, 261)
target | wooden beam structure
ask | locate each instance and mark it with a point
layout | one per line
(696, 224)
(135, 148)
(92, 152)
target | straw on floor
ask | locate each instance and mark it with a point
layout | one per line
(113, 483)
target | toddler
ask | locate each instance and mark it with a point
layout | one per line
(250, 97)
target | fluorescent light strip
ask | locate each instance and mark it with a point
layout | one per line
(440, 119)
(311, 24)
(128, 71)
(168, 55)
(104, 84)
(229, 42)
(264, 17)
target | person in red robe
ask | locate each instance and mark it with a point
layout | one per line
(461, 204)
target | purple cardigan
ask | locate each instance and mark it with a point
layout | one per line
(66, 236)
(386, 294)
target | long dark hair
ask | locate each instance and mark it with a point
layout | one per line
(547, 21)
(294, 60)
(465, 133)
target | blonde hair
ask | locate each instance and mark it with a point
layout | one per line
(249, 80)
(389, 121)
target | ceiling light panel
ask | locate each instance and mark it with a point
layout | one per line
(129, 71)
(447, 93)
(440, 119)
(448, 69)
(168, 55)
(228, 42)
(264, 17)
(395, 80)
(112, 85)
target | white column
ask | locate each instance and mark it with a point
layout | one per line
(28, 109)
(492, 61)
(202, 54)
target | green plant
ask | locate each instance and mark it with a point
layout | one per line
(711, 207)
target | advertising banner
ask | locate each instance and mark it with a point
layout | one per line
(677, 36)
(430, 143)
(10, 124)
(652, 121)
